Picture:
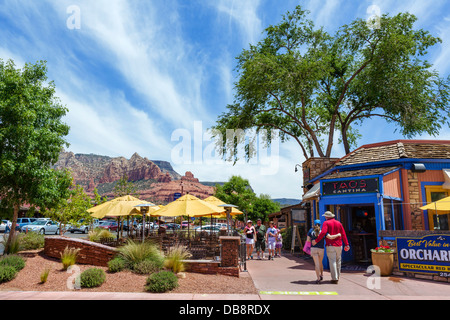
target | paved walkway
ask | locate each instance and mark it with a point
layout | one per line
(293, 277)
(286, 278)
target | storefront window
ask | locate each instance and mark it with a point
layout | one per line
(388, 223)
(440, 221)
(397, 214)
(437, 220)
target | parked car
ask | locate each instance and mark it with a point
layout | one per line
(208, 228)
(23, 222)
(5, 226)
(184, 224)
(42, 227)
(132, 223)
(108, 225)
(172, 226)
(82, 227)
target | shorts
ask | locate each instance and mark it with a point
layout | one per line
(279, 245)
(249, 241)
(260, 245)
(271, 245)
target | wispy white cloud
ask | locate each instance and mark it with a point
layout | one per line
(243, 13)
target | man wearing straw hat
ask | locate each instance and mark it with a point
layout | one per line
(334, 246)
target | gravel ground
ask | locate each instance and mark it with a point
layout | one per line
(28, 279)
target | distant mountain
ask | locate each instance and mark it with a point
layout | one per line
(154, 180)
(284, 202)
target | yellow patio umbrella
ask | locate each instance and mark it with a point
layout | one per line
(440, 205)
(188, 205)
(118, 207)
(217, 202)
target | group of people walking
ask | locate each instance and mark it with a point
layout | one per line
(330, 235)
(258, 236)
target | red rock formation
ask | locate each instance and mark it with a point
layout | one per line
(164, 191)
(93, 171)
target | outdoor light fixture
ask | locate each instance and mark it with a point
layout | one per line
(296, 167)
(418, 167)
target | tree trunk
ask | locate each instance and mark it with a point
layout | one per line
(12, 232)
(345, 139)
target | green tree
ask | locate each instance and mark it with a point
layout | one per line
(238, 191)
(71, 210)
(124, 187)
(263, 206)
(32, 135)
(310, 85)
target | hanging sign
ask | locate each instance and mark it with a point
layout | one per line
(345, 187)
(429, 254)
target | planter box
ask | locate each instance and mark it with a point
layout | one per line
(385, 261)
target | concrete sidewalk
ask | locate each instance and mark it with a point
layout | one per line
(286, 278)
(293, 277)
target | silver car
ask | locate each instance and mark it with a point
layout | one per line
(42, 227)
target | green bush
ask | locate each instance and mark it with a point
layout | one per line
(15, 261)
(117, 264)
(135, 252)
(99, 234)
(93, 277)
(14, 245)
(32, 241)
(69, 257)
(162, 281)
(174, 259)
(7, 273)
(44, 275)
(146, 267)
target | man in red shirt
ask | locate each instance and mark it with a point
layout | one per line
(334, 246)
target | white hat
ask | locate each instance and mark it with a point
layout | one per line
(328, 214)
(249, 221)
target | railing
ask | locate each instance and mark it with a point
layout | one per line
(200, 244)
(243, 256)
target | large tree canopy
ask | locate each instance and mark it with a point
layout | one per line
(31, 138)
(238, 191)
(310, 85)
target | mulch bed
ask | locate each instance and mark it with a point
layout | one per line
(28, 279)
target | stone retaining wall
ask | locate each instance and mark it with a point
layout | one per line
(210, 267)
(90, 252)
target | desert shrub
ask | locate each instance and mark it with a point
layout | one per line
(31, 241)
(135, 252)
(99, 234)
(117, 264)
(146, 267)
(162, 281)
(174, 258)
(93, 277)
(7, 273)
(44, 275)
(14, 245)
(69, 257)
(15, 261)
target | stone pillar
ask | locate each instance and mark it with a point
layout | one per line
(315, 166)
(230, 251)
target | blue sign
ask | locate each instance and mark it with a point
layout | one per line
(429, 254)
(176, 196)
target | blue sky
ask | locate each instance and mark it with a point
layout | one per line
(141, 76)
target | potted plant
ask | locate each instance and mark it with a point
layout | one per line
(383, 257)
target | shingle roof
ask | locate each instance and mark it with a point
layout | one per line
(359, 173)
(391, 150)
